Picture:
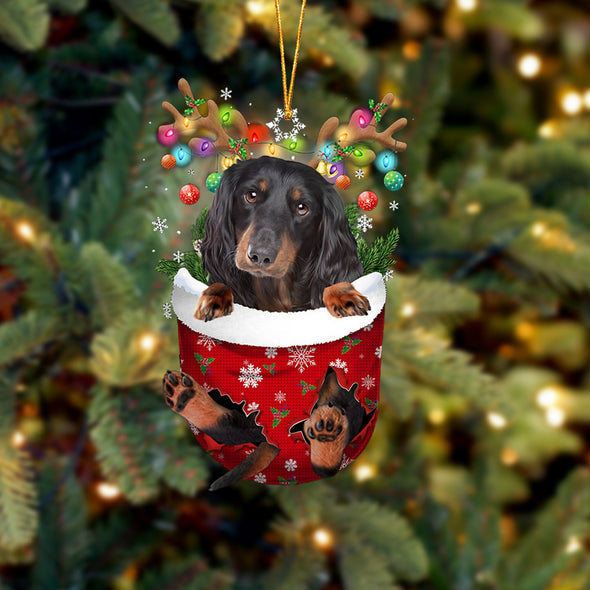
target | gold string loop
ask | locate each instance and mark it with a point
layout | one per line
(288, 94)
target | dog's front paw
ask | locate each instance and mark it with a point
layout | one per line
(342, 300)
(216, 301)
(327, 431)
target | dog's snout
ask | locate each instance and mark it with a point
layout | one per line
(262, 251)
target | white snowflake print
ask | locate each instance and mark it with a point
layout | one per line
(346, 461)
(378, 351)
(207, 341)
(221, 456)
(250, 375)
(368, 382)
(388, 275)
(275, 126)
(194, 429)
(190, 171)
(178, 256)
(270, 352)
(364, 223)
(260, 478)
(160, 225)
(167, 310)
(301, 357)
(290, 464)
(226, 93)
(360, 173)
(393, 205)
(339, 364)
(252, 407)
(368, 328)
(280, 397)
(197, 246)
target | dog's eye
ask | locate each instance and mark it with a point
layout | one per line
(250, 197)
(302, 209)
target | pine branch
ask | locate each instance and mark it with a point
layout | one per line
(27, 335)
(377, 257)
(190, 574)
(154, 16)
(384, 534)
(18, 497)
(109, 289)
(63, 538)
(119, 355)
(295, 568)
(198, 228)
(24, 24)
(220, 28)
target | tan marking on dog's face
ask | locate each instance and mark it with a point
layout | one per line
(263, 184)
(277, 270)
(297, 194)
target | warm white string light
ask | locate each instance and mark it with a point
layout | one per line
(496, 420)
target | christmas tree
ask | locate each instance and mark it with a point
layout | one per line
(477, 474)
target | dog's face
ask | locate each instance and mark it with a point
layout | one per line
(277, 212)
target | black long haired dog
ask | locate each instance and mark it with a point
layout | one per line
(277, 239)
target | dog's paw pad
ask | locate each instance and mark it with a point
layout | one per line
(327, 431)
(179, 389)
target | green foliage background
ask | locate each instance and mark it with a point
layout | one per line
(488, 308)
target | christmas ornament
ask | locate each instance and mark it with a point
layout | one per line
(213, 181)
(274, 367)
(168, 161)
(166, 135)
(393, 180)
(292, 133)
(189, 194)
(386, 161)
(182, 153)
(367, 200)
(202, 146)
(343, 182)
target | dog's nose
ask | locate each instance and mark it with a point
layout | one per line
(261, 255)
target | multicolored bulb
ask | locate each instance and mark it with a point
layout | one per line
(386, 161)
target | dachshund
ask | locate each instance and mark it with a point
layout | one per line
(276, 239)
(336, 418)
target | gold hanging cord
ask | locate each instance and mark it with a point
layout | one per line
(289, 95)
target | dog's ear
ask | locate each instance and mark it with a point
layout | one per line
(220, 238)
(337, 259)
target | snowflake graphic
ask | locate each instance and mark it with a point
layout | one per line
(388, 275)
(270, 352)
(260, 478)
(379, 351)
(364, 223)
(178, 256)
(360, 173)
(301, 357)
(250, 375)
(226, 93)
(368, 328)
(275, 126)
(221, 456)
(346, 461)
(190, 171)
(194, 429)
(368, 382)
(197, 246)
(280, 397)
(339, 364)
(290, 464)
(207, 341)
(160, 225)
(167, 310)
(393, 205)
(252, 407)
